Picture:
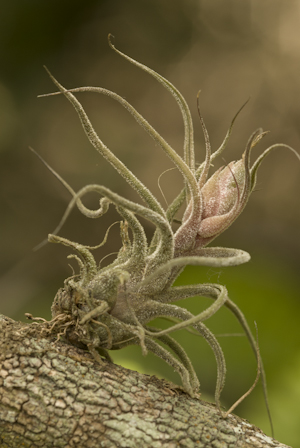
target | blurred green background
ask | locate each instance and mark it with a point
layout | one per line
(231, 50)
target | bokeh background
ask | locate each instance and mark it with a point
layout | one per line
(231, 50)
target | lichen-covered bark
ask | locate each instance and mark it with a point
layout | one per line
(54, 395)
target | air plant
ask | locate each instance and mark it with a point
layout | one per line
(109, 308)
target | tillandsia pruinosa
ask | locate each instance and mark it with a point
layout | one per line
(110, 308)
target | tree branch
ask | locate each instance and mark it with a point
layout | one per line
(56, 395)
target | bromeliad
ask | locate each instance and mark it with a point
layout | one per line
(109, 308)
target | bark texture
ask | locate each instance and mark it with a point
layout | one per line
(54, 395)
